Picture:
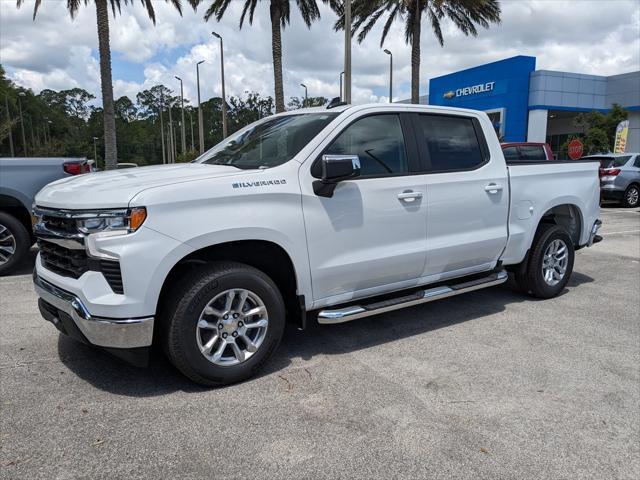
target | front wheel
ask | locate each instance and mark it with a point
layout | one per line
(224, 323)
(550, 263)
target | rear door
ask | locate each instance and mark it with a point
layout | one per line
(467, 196)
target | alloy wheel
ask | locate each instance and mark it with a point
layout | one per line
(554, 263)
(632, 196)
(232, 327)
(7, 244)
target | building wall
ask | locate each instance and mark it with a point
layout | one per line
(633, 140)
(562, 90)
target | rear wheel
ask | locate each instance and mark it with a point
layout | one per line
(224, 323)
(631, 197)
(14, 242)
(550, 263)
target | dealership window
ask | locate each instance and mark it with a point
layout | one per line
(451, 141)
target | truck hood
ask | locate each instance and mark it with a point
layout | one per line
(115, 188)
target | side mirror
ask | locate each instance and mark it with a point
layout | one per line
(335, 169)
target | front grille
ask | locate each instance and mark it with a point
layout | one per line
(63, 261)
(111, 272)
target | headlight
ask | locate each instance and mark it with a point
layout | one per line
(122, 221)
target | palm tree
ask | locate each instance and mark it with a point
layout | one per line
(465, 14)
(279, 11)
(102, 14)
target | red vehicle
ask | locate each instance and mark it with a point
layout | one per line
(527, 152)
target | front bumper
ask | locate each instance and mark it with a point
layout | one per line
(109, 333)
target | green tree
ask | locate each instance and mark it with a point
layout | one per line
(466, 15)
(102, 16)
(125, 109)
(279, 12)
(299, 102)
(599, 129)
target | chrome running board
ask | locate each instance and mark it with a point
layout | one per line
(423, 296)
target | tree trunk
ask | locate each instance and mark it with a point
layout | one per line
(110, 148)
(276, 48)
(415, 54)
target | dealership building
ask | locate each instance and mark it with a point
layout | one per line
(532, 105)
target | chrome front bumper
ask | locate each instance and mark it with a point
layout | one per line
(102, 332)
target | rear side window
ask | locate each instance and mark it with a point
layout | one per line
(451, 141)
(378, 142)
(532, 153)
(511, 154)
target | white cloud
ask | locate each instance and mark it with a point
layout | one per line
(585, 36)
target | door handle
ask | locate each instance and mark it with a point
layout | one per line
(493, 188)
(409, 196)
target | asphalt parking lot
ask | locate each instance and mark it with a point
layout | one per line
(491, 384)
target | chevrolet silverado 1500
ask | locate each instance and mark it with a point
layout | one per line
(324, 214)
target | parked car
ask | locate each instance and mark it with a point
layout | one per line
(20, 180)
(620, 177)
(306, 215)
(527, 152)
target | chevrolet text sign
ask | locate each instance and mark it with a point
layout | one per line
(463, 92)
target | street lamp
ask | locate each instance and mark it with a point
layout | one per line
(193, 148)
(6, 102)
(184, 138)
(200, 125)
(306, 95)
(341, 75)
(24, 137)
(164, 154)
(390, 74)
(224, 98)
(347, 51)
(95, 151)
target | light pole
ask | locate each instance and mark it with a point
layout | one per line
(193, 147)
(306, 95)
(24, 137)
(224, 98)
(164, 154)
(200, 125)
(95, 151)
(341, 75)
(172, 158)
(184, 138)
(390, 74)
(6, 103)
(347, 51)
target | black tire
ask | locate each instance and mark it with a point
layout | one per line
(11, 225)
(189, 298)
(531, 280)
(626, 200)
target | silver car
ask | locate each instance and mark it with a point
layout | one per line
(620, 177)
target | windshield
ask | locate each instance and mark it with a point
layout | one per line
(268, 143)
(609, 162)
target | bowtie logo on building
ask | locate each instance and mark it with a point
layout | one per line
(449, 94)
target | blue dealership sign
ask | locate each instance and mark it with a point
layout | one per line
(501, 87)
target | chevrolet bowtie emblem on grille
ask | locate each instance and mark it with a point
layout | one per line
(449, 94)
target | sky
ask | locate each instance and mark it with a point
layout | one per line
(600, 37)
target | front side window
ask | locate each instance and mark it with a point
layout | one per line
(267, 143)
(378, 142)
(451, 141)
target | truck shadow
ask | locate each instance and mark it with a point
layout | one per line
(110, 374)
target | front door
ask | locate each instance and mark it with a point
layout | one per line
(370, 236)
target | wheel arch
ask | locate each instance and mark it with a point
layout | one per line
(567, 215)
(267, 256)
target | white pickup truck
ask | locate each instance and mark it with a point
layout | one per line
(329, 214)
